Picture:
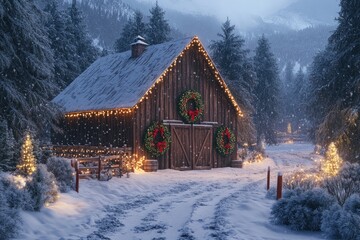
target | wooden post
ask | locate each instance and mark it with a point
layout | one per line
(99, 168)
(279, 186)
(77, 176)
(268, 179)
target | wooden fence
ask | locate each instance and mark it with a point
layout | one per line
(98, 167)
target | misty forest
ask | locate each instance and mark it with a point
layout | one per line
(294, 93)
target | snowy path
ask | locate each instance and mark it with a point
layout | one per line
(222, 203)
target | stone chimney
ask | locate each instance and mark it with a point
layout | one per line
(138, 46)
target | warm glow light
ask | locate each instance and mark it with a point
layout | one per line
(27, 163)
(332, 162)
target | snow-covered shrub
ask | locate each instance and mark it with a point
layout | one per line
(254, 156)
(42, 187)
(301, 210)
(303, 180)
(63, 172)
(9, 217)
(15, 193)
(343, 223)
(346, 183)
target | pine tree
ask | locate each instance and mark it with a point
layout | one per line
(85, 53)
(64, 68)
(300, 88)
(287, 102)
(332, 162)
(158, 29)
(134, 27)
(7, 147)
(231, 58)
(26, 68)
(319, 100)
(266, 92)
(27, 164)
(338, 87)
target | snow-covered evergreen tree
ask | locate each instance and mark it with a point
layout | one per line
(338, 87)
(299, 94)
(266, 92)
(26, 68)
(158, 29)
(134, 27)
(60, 41)
(85, 53)
(231, 58)
(7, 147)
(286, 97)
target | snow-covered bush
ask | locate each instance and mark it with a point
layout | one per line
(254, 156)
(346, 183)
(42, 187)
(343, 223)
(63, 172)
(9, 217)
(303, 180)
(301, 210)
(15, 193)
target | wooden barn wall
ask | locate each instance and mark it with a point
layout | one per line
(102, 130)
(191, 72)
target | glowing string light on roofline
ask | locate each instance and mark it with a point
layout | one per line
(193, 42)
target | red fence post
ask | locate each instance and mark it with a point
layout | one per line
(279, 186)
(268, 179)
(77, 176)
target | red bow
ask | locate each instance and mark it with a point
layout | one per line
(193, 114)
(161, 146)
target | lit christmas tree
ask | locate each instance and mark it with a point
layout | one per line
(332, 162)
(27, 163)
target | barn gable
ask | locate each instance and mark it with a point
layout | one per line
(118, 81)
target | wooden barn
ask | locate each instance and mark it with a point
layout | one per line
(115, 101)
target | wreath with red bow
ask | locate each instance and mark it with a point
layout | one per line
(157, 139)
(191, 106)
(225, 141)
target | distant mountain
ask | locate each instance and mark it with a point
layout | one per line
(296, 33)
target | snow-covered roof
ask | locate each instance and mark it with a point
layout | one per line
(118, 80)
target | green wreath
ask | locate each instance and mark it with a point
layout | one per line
(157, 139)
(225, 141)
(193, 113)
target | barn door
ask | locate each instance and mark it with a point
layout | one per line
(202, 147)
(191, 146)
(180, 151)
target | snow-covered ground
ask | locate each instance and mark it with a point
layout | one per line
(225, 203)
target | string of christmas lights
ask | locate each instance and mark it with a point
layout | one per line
(194, 42)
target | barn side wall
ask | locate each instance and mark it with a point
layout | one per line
(107, 130)
(190, 72)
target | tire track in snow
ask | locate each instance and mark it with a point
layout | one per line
(116, 214)
(180, 208)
